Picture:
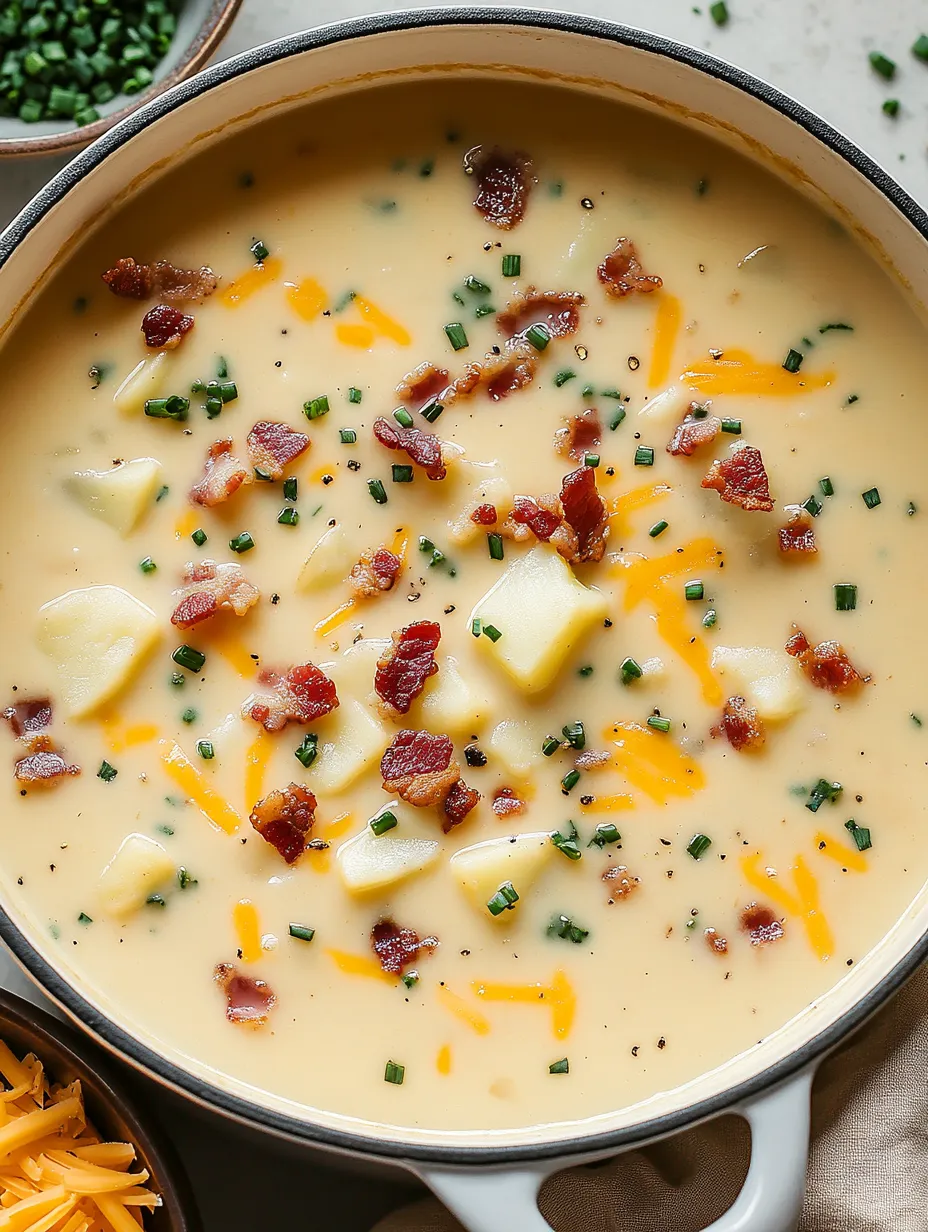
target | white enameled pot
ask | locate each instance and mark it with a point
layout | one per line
(491, 1180)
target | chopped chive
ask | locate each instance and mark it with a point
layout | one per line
(291, 488)
(822, 791)
(107, 772)
(162, 492)
(559, 1067)
(288, 516)
(189, 715)
(587, 391)
(156, 900)
(377, 490)
(574, 734)
(354, 395)
(474, 284)
(644, 456)
(562, 377)
(306, 750)
(411, 979)
(184, 880)
(591, 459)
(511, 265)
(492, 633)
(549, 746)
(260, 251)
(732, 426)
(612, 393)
(616, 418)
(605, 835)
(871, 497)
(694, 590)
(812, 505)
(916, 720)
(842, 325)
(495, 546)
(84, 918)
(383, 822)
(178, 679)
(458, 298)
(793, 361)
(658, 529)
(860, 835)
(659, 723)
(402, 417)
(538, 335)
(456, 335)
(242, 542)
(347, 436)
(401, 472)
(563, 926)
(301, 932)
(698, 845)
(431, 412)
(394, 1073)
(710, 618)
(586, 670)
(186, 656)
(199, 536)
(174, 407)
(827, 487)
(315, 408)
(566, 842)
(570, 781)
(504, 899)
(845, 596)
(630, 670)
(475, 627)
(719, 12)
(851, 399)
(147, 565)
(920, 48)
(883, 65)
(206, 750)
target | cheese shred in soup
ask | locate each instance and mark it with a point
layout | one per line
(458, 593)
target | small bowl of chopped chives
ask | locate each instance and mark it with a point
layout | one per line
(70, 69)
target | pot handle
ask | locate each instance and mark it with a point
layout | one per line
(486, 1200)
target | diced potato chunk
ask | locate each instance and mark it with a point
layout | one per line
(353, 671)
(481, 870)
(452, 703)
(769, 679)
(119, 496)
(97, 639)
(542, 612)
(517, 744)
(146, 380)
(137, 869)
(330, 560)
(667, 408)
(487, 485)
(372, 862)
(353, 741)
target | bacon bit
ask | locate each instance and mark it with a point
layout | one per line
(582, 433)
(423, 448)
(406, 665)
(375, 572)
(622, 273)
(304, 694)
(761, 925)
(507, 803)
(273, 446)
(398, 948)
(740, 725)
(248, 1002)
(717, 944)
(559, 311)
(420, 767)
(209, 588)
(741, 479)
(29, 718)
(458, 803)
(423, 385)
(222, 477)
(503, 184)
(798, 535)
(130, 280)
(693, 433)
(500, 372)
(826, 665)
(164, 327)
(593, 759)
(43, 766)
(620, 883)
(485, 515)
(285, 819)
(542, 517)
(586, 513)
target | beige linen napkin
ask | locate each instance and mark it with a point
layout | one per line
(868, 1170)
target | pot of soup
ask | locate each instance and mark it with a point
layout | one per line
(464, 707)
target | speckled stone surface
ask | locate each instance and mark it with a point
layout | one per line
(815, 50)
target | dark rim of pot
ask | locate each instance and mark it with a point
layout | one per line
(213, 1096)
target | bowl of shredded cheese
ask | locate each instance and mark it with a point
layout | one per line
(75, 1153)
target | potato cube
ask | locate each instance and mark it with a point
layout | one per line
(353, 740)
(481, 870)
(146, 380)
(517, 743)
(119, 496)
(330, 560)
(769, 679)
(452, 703)
(137, 869)
(372, 862)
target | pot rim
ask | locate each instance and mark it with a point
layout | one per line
(213, 1096)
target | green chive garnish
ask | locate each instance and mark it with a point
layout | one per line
(173, 407)
(315, 408)
(566, 842)
(495, 546)
(431, 412)
(383, 822)
(822, 791)
(474, 284)
(84, 918)
(812, 505)
(562, 377)
(563, 926)
(732, 426)
(659, 723)
(347, 436)
(827, 487)
(156, 900)
(377, 490)
(559, 1067)
(871, 497)
(860, 835)
(475, 626)
(605, 835)
(658, 529)
(718, 11)
(199, 536)
(401, 472)
(616, 418)
(456, 335)
(301, 932)
(147, 565)
(354, 395)
(570, 781)
(586, 670)
(511, 265)
(410, 979)
(402, 417)
(538, 335)
(206, 750)
(306, 750)
(841, 325)
(291, 488)
(492, 633)
(574, 734)
(710, 618)
(793, 361)
(107, 772)
(910, 509)
(504, 899)
(242, 542)
(550, 745)
(845, 596)
(644, 456)
(178, 679)
(189, 716)
(192, 660)
(288, 516)
(184, 880)
(891, 107)
(591, 459)
(630, 670)
(698, 845)
(882, 65)
(394, 1073)
(484, 310)
(693, 590)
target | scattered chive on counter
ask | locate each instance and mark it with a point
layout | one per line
(882, 64)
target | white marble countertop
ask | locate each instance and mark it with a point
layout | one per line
(815, 50)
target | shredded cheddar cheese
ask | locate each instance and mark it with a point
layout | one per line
(637, 498)
(737, 372)
(558, 996)
(252, 280)
(186, 524)
(666, 329)
(359, 964)
(456, 1004)
(192, 783)
(834, 849)
(247, 930)
(653, 763)
(307, 298)
(616, 803)
(331, 622)
(383, 324)
(804, 904)
(443, 1060)
(360, 336)
(256, 759)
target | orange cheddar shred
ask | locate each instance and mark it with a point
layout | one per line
(195, 787)
(558, 996)
(652, 763)
(737, 372)
(666, 330)
(260, 275)
(247, 930)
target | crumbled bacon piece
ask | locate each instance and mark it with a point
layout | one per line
(423, 448)
(582, 433)
(209, 588)
(740, 725)
(164, 327)
(43, 766)
(798, 535)
(304, 694)
(398, 948)
(132, 280)
(740, 479)
(423, 385)
(406, 664)
(541, 519)
(585, 512)
(284, 819)
(273, 446)
(458, 803)
(558, 311)
(622, 273)
(826, 665)
(222, 477)
(29, 717)
(761, 925)
(695, 431)
(419, 767)
(507, 803)
(248, 1001)
(375, 572)
(716, 943)
(504, 182)
(501, 372)
(619, 882)
(484, 515)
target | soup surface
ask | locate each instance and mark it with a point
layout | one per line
(643, 547)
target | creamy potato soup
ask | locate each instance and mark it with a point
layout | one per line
(458, 584)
